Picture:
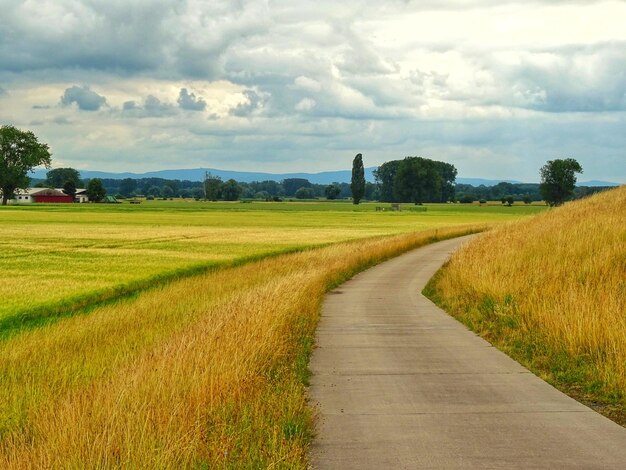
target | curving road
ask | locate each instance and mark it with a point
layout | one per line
(400, 384)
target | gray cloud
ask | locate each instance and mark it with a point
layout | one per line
(152, 107)
(189, 101)
(88, 35)
(253, 103)
(84, 97)
(580, 80)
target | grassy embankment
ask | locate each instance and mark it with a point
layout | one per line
(206, 371)
(551, 293)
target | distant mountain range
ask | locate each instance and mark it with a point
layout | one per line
(324, 177)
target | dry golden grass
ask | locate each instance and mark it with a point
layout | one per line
(551, 291)
(206, 372)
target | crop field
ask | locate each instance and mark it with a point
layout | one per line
(551, 292)
(59, 257)
(205, 364)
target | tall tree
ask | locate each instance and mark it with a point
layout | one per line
(95, 190)
(413, 180)
(231, 190)
(558, 179)
(212, 187)
(385, 175)
(357, 184)
(416, 179)
(59, 176)
(20, 152)
(69, 188)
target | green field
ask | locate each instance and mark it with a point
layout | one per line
(55, 257)
(55, 254)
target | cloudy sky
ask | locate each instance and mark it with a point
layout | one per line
(494, 87)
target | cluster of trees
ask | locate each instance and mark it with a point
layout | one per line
(298, 188)
(416, 179)
(518, 191)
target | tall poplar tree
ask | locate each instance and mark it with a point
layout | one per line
(358, 179)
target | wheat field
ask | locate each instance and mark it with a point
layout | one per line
(55, 259)
(208, 371)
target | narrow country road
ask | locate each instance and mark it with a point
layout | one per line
(400, 384)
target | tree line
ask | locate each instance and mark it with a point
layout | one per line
(388, 188)
(413, 179)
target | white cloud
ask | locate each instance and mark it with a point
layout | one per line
(306, 104)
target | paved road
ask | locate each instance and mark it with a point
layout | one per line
(400, 384)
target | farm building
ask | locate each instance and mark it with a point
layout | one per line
(42, 195)
(80, 196)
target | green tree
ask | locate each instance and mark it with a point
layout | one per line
(231, 190)
(95, 190)
(197, 193)
(153, 191)
(385, 175)
(212, 187)
(174, 185)
(59, 176)
(371, 191)
(357, 184)
(291, 185)
(20, 152)
(167, 191)
(128, 186)
(69, 188)
(418, 180)
(305, 193)
(558, 179)
(332, 191)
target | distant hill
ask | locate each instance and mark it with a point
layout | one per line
(596, 183)
(485, 182)
(324, 177)
(197, 174)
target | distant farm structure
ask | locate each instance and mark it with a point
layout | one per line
(48, 195)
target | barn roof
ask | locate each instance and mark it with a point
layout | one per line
(39, 191)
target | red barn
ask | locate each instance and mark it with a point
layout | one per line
(51, 195)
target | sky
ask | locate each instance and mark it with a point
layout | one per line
(496, 88)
